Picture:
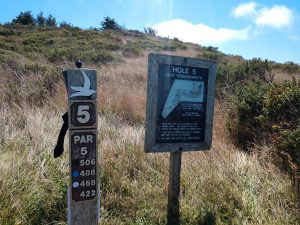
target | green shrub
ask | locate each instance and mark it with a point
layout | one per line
(104, 57)
(55, 55)
(231, 74)
(245, 107)
(267, 113)
(216, 56)
(170, 48)
(290, 67)
(132, 50)
(179, 44)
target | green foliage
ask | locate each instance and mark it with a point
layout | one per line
(211, 55)
(132, 50)
(169, 47)
(150, 31)
(222, 187)
(245, 107)
(40, 20)
(259, 69)
(173, 45)
(110, 24)
(212, 49)
(65, 24)
(178, 44)
(289, 142)
(231, 74)
(104, 57)
(24, 18)
(51, 21)
(267, 113)
(291, 67)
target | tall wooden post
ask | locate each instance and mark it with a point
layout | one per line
(173, 217)
(83, 193)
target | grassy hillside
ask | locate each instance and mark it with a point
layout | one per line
(222, 186)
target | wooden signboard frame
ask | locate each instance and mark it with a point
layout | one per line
(189, 65)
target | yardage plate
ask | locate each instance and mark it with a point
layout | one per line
(83, 164)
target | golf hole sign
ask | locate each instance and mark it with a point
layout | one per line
(81, 85)
(180, 103)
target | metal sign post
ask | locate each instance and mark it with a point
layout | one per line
(83, 193)
(179, 117)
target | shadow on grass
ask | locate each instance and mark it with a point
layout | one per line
(208, 219)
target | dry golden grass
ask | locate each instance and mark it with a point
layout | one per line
(284, 76)
(223, 185)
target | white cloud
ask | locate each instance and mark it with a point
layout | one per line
(198, 33)
(278, 16)
(244, 9)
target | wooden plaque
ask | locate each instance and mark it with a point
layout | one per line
(180, 103)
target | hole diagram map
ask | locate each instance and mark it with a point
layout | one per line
(183, 91)
(181, 104)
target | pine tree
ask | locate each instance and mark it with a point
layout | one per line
(110, 24)
(24, 18)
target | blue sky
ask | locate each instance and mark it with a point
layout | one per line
(263, 28)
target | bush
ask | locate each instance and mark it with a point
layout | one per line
(232, 74)
(245, 107)
(150, 31)
(104, 58)
(267, 113)
(290, 67)
(24, 18)
(132, 50)
(40, 20)
(170, 48)
(179, 44)
(210, 55)
(51, 21)
(110, 24)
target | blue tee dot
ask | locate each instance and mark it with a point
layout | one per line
(75, 173)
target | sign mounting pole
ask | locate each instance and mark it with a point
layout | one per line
(83, 193)
(179, 116)
(173, 216)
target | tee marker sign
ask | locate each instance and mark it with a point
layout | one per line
(83, 194)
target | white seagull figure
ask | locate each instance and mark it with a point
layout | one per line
(85, 90)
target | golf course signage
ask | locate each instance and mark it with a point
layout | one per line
(180, 101)
(83, 194)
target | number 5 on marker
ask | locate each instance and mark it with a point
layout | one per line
(83, 115)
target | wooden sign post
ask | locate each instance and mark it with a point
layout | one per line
(179, 117)
(83, 193)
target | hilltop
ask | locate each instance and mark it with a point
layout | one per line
(243, 179)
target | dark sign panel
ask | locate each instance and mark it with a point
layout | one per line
(83, 164)
(83, 114)
(81, 85)
(181, 105)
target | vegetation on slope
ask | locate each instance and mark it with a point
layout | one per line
(222, 186)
